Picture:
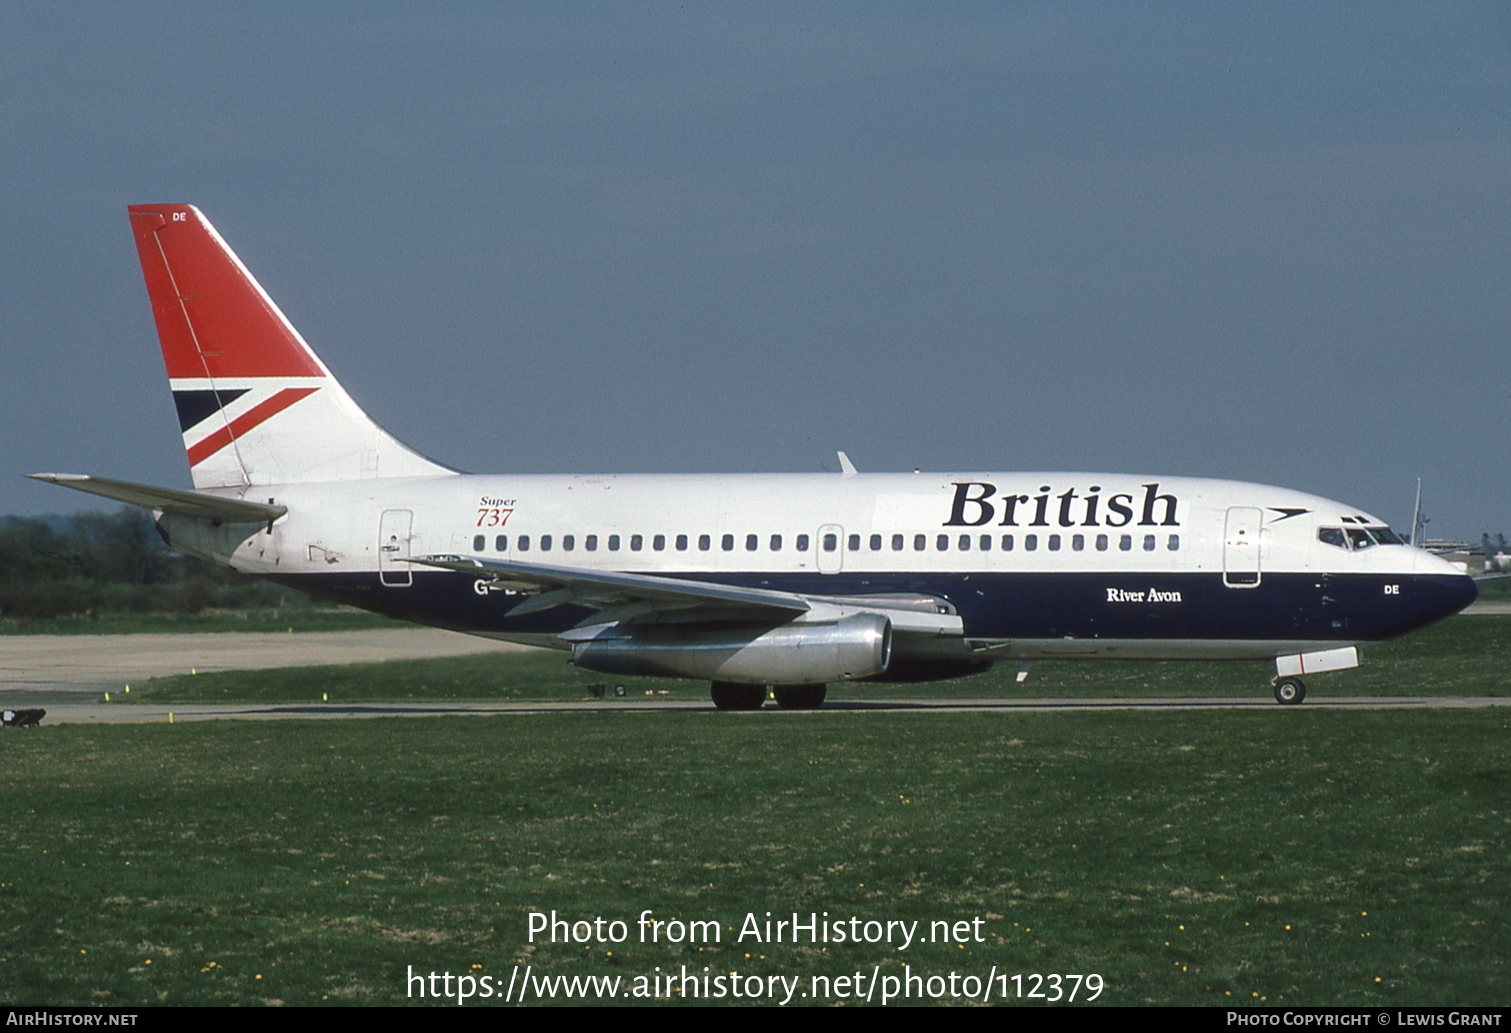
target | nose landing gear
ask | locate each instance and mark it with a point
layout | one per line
(1289, 691)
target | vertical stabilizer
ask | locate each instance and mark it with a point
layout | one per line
(255, 404)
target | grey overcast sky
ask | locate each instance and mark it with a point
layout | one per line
(1262, 241)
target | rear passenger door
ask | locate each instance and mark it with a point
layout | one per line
(394, 529)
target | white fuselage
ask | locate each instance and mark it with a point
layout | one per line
(1156, 566)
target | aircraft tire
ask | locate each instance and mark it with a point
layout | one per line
(800, 697)
(735, 696)
(1289, 691)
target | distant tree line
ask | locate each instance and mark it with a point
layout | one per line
(93, 563)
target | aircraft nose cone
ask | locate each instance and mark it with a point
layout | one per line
(1448, 595)
(1463, 593)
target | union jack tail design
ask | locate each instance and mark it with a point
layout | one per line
(255, 404)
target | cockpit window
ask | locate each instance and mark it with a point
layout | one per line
(1358, 537)
(1332, 536)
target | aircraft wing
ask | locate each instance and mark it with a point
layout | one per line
(168, 500)
(621, 596)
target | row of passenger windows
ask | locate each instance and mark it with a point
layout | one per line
(830, 542)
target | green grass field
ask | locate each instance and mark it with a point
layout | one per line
(1281, 856)
(1466, 655)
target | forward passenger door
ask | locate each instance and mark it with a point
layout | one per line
(1240, 548)
(829, 546)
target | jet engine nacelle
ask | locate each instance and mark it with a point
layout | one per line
(791, 654)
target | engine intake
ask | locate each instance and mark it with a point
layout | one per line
(790, 654)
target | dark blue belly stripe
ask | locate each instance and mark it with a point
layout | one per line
(1337, 607)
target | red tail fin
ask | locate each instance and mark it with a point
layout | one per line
(213, 318)
(255, 404)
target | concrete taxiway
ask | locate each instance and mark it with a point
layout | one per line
(134, 713)
(47, 670)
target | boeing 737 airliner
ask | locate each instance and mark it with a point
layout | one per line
(752, 581)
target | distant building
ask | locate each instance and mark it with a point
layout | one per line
(1467, 556)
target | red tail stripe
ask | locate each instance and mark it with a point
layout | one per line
(207, 447)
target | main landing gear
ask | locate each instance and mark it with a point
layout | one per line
(735, 696)
(730, 695)
(800, 697)
(1289, 691)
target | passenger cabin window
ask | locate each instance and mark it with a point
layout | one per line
(876, 543)
(590, 543)
(545, 543)
(776, 543)
(854, 543)
(752, 542)
(658, 543)
(965, 543)
(613, 543)
(1101, 543)
(704, 543)
(942, 543)
(1173, 544)
(501, 543)
(1007, 543)
(1078, 542)
(479, 542)
(897, 543)
(1054, 543)
(636, 543)
(1030, 542)
(568, 542)
(831, 542)
(802, 543)
(523, 543)
(681, 543)
(1148, 543)
(727, 543)
(1125, 542)
(986, 543)
(920, 542)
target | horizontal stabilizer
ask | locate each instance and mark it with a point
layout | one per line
(168, 500)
